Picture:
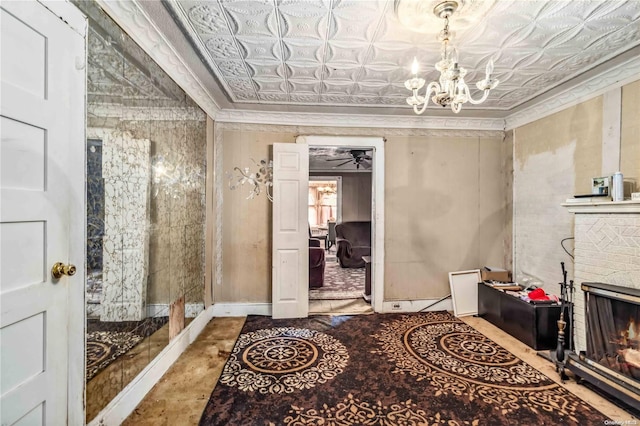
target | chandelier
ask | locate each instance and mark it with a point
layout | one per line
(450, 89)
(328, 189)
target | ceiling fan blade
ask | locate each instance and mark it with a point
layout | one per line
(367, 157)
(365, 163)
(341, 164)
(338, 159)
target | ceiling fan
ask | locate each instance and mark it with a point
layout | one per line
(359, 157)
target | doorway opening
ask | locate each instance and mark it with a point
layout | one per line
(348, 166)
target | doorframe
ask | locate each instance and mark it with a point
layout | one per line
(338, 180)
(377, 201)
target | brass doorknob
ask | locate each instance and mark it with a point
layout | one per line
(60, 269)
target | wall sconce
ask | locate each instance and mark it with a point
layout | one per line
(262, 178)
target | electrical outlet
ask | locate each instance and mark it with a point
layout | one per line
(395, 306)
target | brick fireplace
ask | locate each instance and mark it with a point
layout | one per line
(607, 262)
(607, 250)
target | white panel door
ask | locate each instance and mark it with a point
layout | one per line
(290, 280)
(41, 212)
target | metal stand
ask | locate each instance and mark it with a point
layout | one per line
(566, 292)
(570, 301)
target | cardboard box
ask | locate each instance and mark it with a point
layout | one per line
(489, 273)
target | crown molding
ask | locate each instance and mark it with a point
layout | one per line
(144, 113)
(180, 14)
(358, 120)
(358, 131)
(139, 26)
(611, 78)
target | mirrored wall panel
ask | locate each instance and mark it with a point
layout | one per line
(145, 209)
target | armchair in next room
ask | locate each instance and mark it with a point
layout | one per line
(353, 240)
(316, 263)
(331, 234)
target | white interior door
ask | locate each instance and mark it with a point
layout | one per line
(290, 256)
(41, 214)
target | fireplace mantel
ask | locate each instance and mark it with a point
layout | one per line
(604, 207)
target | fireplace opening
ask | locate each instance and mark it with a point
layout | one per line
(613, 337)
(611, 362)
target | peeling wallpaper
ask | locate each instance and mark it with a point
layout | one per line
(555, 158)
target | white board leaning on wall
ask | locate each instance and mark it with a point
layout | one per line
(464, 292)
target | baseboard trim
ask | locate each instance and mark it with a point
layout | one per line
(397, 306)
(126, 401)
(244, 309)
(240, 309)
(191, 310)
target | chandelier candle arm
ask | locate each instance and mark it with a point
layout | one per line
(450, 89)
(417, 100)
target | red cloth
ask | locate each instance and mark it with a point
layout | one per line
(538, 294)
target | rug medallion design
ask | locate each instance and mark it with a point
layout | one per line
(383, 369)
(103, 347)
(455, 359)
(283, 359)
(107, 341)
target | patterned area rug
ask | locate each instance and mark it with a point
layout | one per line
(392, 369)
(104, 347)
(106, 341)
(339, 283)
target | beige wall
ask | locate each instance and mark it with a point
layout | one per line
(246, 224)
(555, 158)
(356, 195)
(445, 210)
(630, 133)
